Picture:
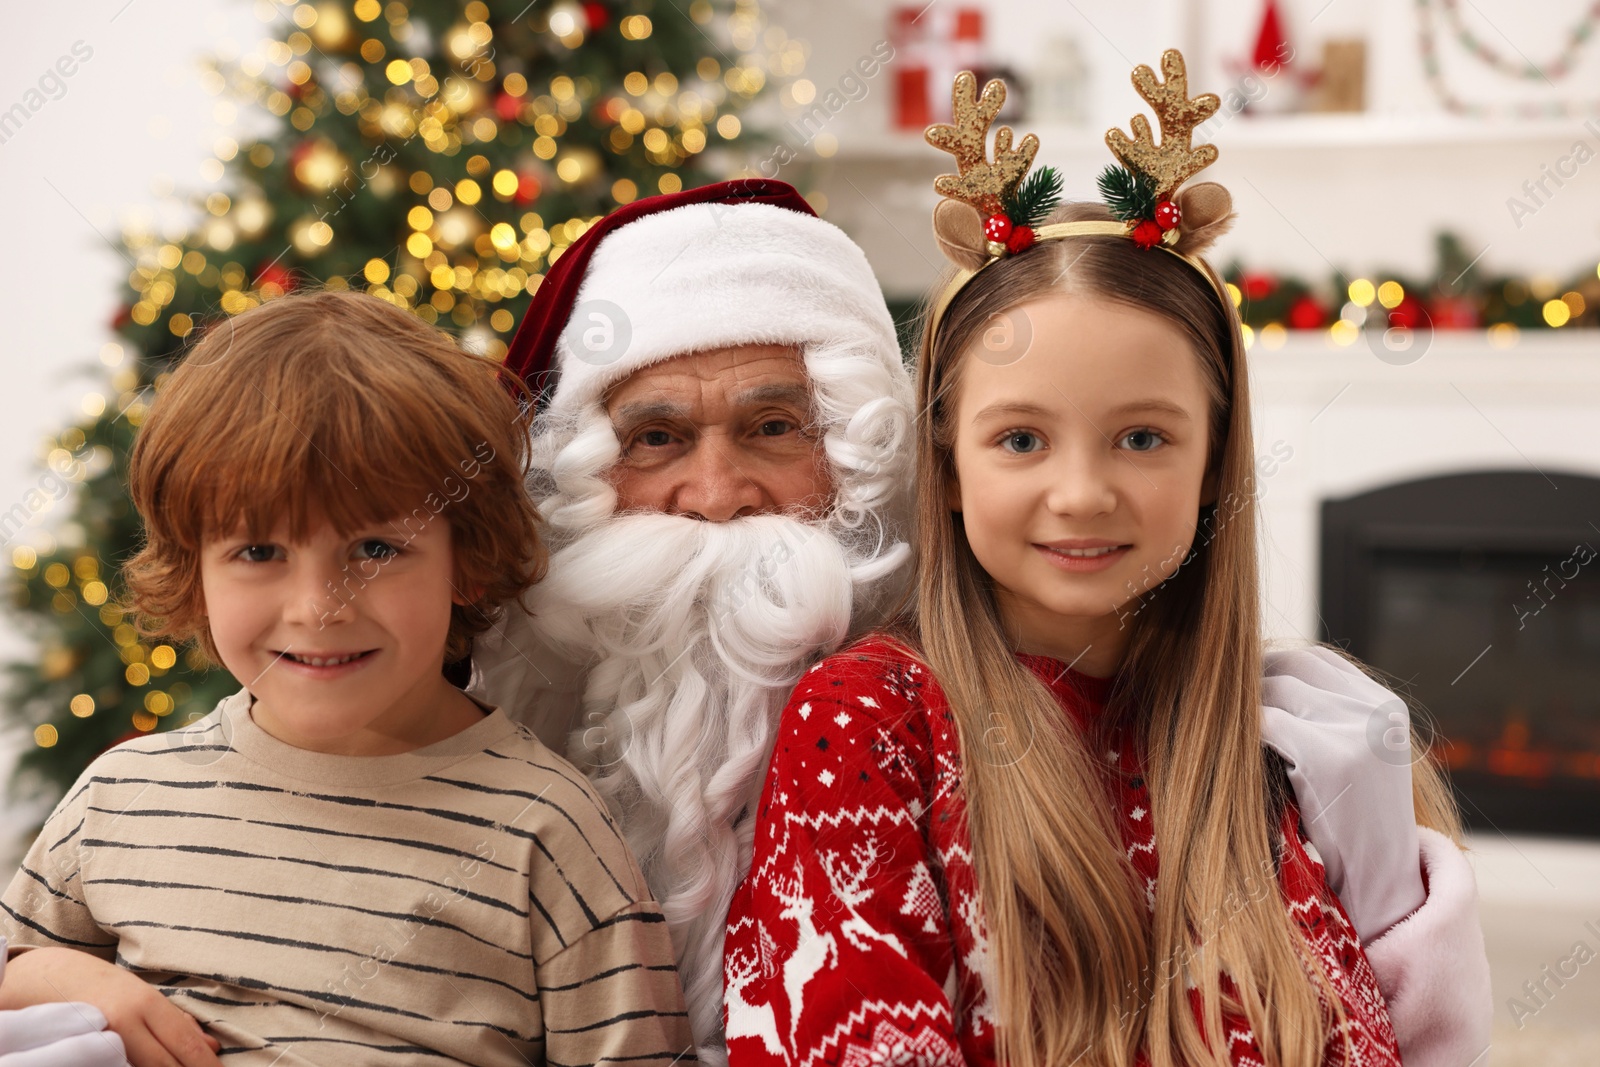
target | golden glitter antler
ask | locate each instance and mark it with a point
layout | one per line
(979, 182)
(1175, 159)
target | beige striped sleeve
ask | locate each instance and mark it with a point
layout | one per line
(44, 905)
(613, 995)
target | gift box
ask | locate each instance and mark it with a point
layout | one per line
(932, 44)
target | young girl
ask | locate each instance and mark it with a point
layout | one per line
(1035, 824)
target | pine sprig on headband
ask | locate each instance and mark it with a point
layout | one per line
(1031, 202)
(1131, 195)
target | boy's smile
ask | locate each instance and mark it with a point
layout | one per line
(316, 664)
(1080, 472)
(340, 639)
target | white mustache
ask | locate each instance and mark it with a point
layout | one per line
(638, 584)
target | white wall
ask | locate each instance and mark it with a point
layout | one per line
(131, 126)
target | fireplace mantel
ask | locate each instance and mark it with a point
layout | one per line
(1351, 422)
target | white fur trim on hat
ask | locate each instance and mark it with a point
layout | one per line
(707, 276)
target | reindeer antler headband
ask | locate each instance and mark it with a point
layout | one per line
(993, 209)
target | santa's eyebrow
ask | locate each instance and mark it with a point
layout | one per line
(775, 393)
(644, 410)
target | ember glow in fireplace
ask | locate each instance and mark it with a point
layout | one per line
(1480, 593)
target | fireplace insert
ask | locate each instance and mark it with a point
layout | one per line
(1479, 594)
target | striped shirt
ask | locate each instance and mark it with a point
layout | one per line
(467, 902)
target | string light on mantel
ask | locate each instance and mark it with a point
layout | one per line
(1460, 294)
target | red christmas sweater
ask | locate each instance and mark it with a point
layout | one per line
(858, 938)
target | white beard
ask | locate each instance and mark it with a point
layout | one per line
(695, 634)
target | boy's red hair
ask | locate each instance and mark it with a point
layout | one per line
(340, 406)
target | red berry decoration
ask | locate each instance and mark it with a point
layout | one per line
(1167, 214)
(997, 228)
(1147, 234)
(1021, 239)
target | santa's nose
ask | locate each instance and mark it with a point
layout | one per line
(715, 489)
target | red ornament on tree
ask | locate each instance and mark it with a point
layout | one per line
(997, 228)
(276, 274)
(1147, 234)
(508, 107)
(1167, 214)
(596, 15)
(528, 188)
(1306, 314)
(1021, 239)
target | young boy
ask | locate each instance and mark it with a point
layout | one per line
(349, 860)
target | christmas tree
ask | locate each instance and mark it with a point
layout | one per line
(437, 154)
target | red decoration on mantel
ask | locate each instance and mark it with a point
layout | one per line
(1271, 44)
(1408, 314)
(1257, 286)
(1455, 313)
(1306, 314)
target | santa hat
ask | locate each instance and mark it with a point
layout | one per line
(740, 262)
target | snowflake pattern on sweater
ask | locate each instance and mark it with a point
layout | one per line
(858, 938)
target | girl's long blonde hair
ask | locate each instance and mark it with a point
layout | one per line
(1081, 974)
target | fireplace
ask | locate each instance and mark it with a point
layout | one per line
(1479, 592)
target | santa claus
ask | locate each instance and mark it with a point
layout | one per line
(723, 463)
